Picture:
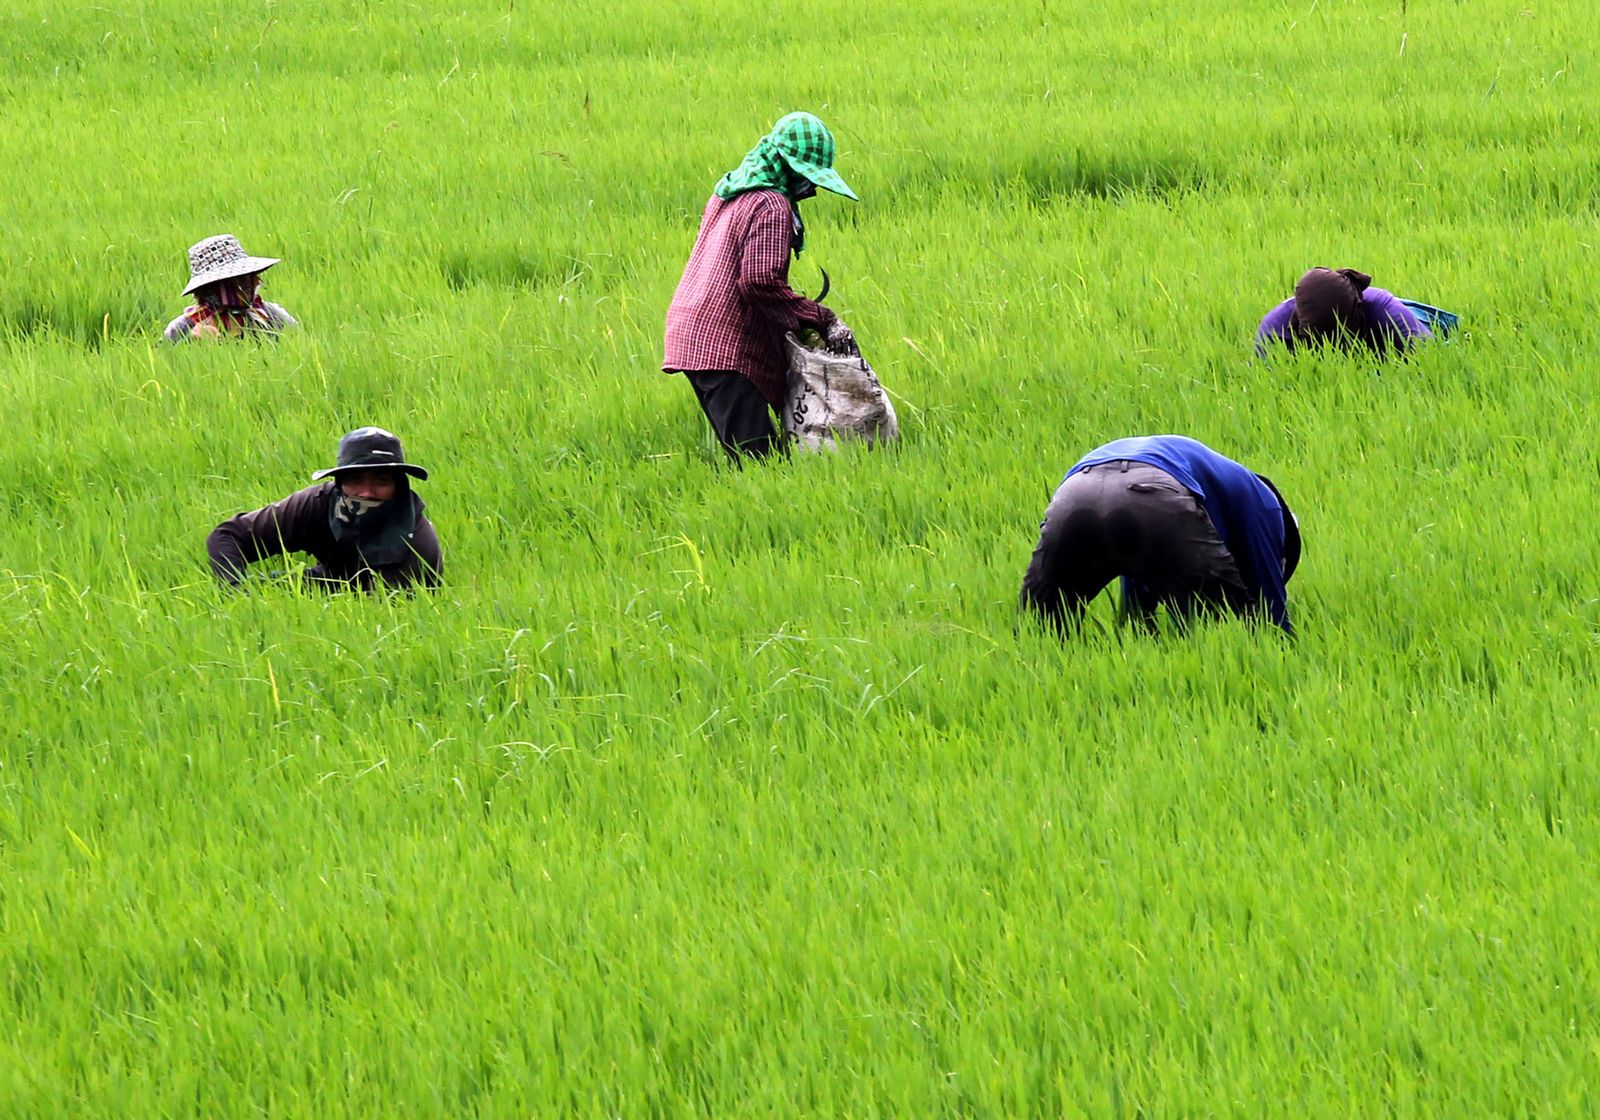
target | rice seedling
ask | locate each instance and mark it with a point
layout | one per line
(747, 793)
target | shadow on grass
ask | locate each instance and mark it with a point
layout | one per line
(1113, 179)
(91, 324)
(508, 268)
(1074, 176)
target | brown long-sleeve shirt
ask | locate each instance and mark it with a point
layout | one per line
(299, 523)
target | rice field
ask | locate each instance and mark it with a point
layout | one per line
(747, 793)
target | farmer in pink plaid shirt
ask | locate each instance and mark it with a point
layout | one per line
(727, 320)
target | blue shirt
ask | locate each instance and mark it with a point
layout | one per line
(1245, 511)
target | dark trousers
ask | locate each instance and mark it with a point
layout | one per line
(1135, 521)
(739, 414)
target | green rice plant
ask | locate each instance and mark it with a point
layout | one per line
(711, 792)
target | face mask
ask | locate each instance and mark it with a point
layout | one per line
(351, 513)
(380, 531)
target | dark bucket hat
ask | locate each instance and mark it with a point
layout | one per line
(372, 449)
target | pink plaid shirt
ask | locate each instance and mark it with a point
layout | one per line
(734, 302)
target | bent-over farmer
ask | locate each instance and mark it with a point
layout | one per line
(1180, 524)
(226, 282)
(727, 319)
(1340, 306)
(364, 526)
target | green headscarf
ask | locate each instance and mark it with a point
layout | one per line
(763, 169)
(798, 150)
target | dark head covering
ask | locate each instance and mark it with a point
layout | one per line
(1327, 305)
(371, 449)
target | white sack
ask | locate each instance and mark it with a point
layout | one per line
(833, 395)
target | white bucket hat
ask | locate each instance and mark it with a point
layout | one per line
(221, 258)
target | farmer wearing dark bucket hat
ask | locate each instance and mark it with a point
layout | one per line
(225, 280)
(363, 526)
(1341, 307)
(1180, 524)
(732, 307)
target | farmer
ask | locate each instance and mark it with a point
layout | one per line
(1182, 525)
(226, 284)
(1340, 306)
(363, 526)
(727, 320)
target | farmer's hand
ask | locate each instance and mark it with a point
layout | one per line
(841, 340)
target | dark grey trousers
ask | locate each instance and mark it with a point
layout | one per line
(738, 413)
(1135, 521)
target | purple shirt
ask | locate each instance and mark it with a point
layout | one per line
(1391, 320)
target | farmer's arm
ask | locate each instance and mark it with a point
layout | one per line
(763, 280)
(1139, 604)
(1260, 537)
(281, 319)
(1275, 595)
(1395, 318)
(1274, 326)
(284, 526)
(178, 329)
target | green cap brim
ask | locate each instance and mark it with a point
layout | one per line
(825, 177)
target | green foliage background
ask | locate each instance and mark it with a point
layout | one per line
(743, 793)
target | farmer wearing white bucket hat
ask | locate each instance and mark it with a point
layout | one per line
(726, 324)
(364, 526)
(225, 280)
